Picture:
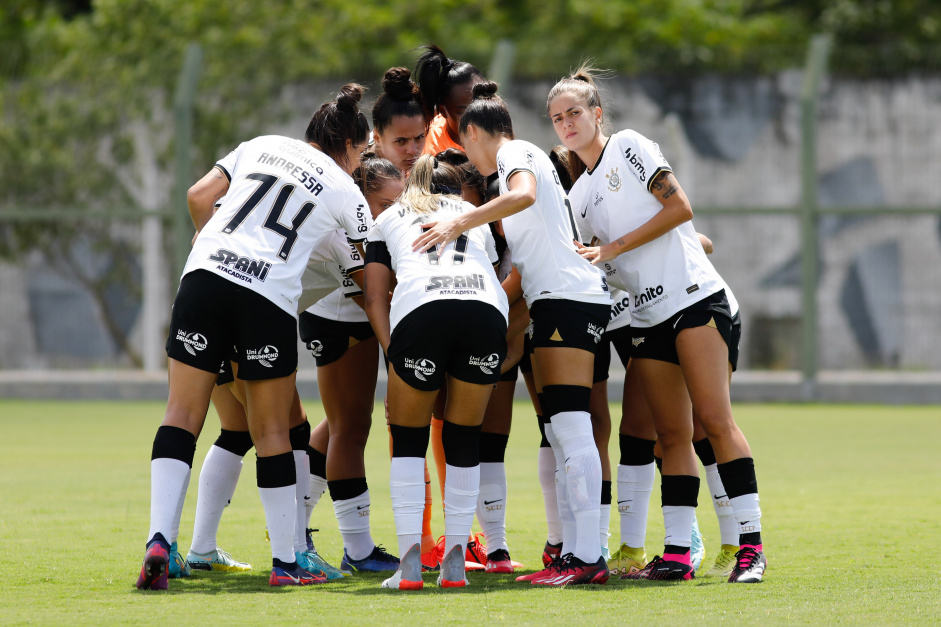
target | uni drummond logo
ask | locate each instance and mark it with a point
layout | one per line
(422, 367)
(487, 364)
(264, 356)
(315, 347)
(192, 342)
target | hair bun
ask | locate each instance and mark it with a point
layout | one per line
(485, 89)
(397, 83)
(349, 96)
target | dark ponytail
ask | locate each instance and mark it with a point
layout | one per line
(373, 173)
(400, 97)
(337, 121)
(437, 75)
(487, 112)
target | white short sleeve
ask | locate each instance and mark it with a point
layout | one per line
(643, 156)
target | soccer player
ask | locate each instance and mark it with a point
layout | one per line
(682, 318)
(341, 340)
(398, 118)
(238, 300)
(446, 85)
(447, 321)
(569, 306)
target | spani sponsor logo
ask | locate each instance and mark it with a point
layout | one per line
(469, 281)
(487, 364)
(264, 356)
(192, 342)
(422, 367)
(242, 268)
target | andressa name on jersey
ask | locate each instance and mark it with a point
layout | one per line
(295, 150)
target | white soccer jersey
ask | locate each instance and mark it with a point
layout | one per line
(283, 197)
(663, 276)
(328, 268)
(541, 236)
(463, 271)
(620, 310)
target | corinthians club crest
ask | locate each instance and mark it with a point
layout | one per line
(614, 180)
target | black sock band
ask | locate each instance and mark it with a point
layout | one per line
(318, 462)
(461, 445)
(704, 452)
(236, 442)
(174, 443)
(542, 403)
(276, 471)
(346, 489)
(409, 441)
(679, 490)
(562, 398)
(738, 477)
(543, 442)
(606, 493)
(300, 436)
(672, 549)
(635, 451)
(493, 447)
(659, 462)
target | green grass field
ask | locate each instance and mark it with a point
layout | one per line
(850, 497)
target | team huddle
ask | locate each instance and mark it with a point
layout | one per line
(465, 257)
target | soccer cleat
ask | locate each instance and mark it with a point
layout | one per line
(281, 576)
(627, 560)
(317, 561)
(178, 566)
(750, 565)
(725, 562)
(376, 562)
(216, 560)
(499, 562)
(570, 571)
(154, 571)
(550, 553)
(408, 575)
(697, 550)
(431, 560)
(452, 573)
(477, 550)
(660, 569)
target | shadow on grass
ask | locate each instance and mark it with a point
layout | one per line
(368, 584)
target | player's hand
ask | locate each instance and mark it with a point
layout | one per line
(596, 254)
(436, 234)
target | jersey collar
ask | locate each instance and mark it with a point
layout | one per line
(600, 157)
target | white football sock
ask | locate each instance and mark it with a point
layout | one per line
(217, 480)
(317, 487)
(461, 488)
(747, 513)
(549, 498)
(407, 489)
(169, 479)
(353, 519)
(604, 522)
(728, 526)
(301, 468)
(281, 516)
(491, 505)
(582, 466)
(678, 524)
(178, 513)
(635, 483)
(566, 517)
